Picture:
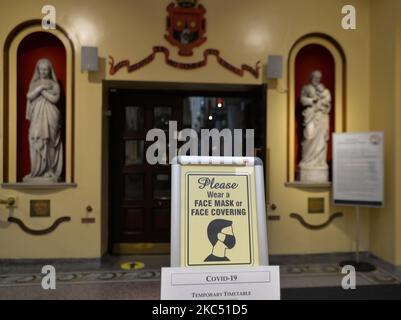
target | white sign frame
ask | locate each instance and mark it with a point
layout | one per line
(363, 137)
(178, 162)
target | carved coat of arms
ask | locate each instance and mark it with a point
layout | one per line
(186, 29)
(186, 25)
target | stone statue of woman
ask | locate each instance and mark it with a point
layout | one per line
(316, 99)
(45, 145)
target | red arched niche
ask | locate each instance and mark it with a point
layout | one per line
(33, 47)
(309, 58)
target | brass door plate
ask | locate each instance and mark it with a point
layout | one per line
(316, 205)
(40, 208)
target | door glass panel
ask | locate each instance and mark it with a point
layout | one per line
(161, 187)
(133, 152)
(162, 115)
(133, 119)
(221, 113)
(134, 187)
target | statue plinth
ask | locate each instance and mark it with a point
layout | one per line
(319, 175)
(40, 180)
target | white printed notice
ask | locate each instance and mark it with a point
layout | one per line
(358, 169)
(221, 283)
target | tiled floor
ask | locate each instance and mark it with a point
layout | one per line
(105, 279)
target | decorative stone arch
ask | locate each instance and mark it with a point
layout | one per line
(317, 50)
(12, 97)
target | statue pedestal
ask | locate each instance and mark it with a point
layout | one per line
(39, 180)
(314, 175)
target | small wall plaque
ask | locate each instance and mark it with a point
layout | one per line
(316, 205)
(40, 208)
(88, 220)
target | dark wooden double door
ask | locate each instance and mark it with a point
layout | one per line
(139, 193)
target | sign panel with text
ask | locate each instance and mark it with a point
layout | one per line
(219, 227)
(358, 169)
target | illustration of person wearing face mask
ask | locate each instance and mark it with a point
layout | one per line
(221, 236)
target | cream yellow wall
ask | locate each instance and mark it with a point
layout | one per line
(288, 236)
(244, 32)
(386, 115)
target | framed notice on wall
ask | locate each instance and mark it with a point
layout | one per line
(218, 212)
(358, 169)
